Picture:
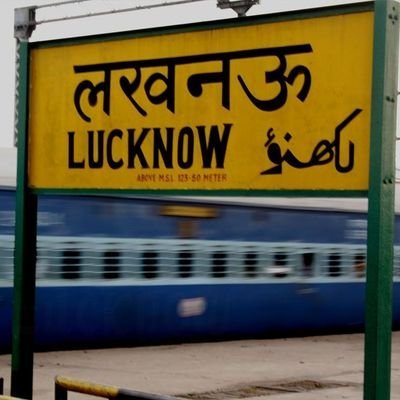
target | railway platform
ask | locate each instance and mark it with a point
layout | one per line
(311, 368)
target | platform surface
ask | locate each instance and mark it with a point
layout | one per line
(312, 368)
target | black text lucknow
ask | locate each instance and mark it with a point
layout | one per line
(146, 148)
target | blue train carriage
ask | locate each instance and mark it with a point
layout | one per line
(117, 271)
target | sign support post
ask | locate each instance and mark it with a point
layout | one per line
(25, 248)
(378, 329)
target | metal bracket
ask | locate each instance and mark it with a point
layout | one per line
(24, 22)
(240, 6)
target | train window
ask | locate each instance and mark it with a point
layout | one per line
(280, 269)
(111, 264)
(308, 261)
(150, 264)
(71, 264)
(359, 265)
(185, 259)
(396, 264)
(219, 265)
(334, 265)
(250, 264)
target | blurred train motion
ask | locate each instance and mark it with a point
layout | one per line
(115, 271)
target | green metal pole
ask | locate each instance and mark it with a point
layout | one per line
(378, 330)
(25, 246)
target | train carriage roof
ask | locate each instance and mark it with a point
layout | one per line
(8, 167)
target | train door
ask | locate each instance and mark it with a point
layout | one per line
(308, 270)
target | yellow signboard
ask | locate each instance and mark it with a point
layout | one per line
(262, 105)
